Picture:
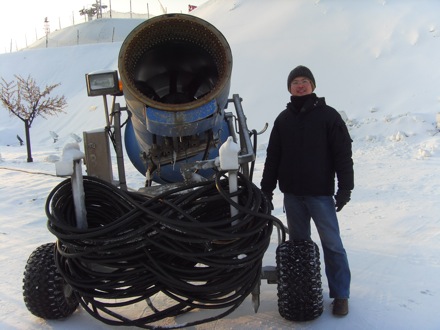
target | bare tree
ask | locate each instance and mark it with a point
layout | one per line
(24, 99)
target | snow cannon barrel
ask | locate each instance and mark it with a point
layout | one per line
(175, 71)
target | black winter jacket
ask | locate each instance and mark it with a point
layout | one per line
(307, 148)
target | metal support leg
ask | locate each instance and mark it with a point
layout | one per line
(118, 147)
(256, 296)
(79, 195)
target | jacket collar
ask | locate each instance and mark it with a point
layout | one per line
(300, 104)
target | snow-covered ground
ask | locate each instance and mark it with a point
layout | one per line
(377, 61)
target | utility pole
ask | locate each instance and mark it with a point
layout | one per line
(47, 30)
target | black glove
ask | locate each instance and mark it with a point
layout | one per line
(342, 197)
(268, 196)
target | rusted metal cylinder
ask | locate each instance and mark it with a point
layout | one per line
(175, 62)
(176, 73)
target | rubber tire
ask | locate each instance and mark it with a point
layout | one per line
(299, 280)
(46, 293)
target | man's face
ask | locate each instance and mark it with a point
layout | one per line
(301, 86)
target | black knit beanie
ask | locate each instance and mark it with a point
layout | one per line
(300, 71)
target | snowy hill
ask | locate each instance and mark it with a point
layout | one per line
(104, 30)
(374, 60)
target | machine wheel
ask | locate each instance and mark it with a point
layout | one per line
(46, 293)
(299, 280)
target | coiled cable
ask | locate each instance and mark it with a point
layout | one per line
(182, 243)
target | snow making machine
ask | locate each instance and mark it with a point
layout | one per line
(192, 238)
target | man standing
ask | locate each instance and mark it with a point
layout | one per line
(308, 147)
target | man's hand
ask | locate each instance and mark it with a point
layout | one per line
(268, 196)
(342, 197)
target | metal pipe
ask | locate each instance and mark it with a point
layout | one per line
(118, 147)
(245, 141)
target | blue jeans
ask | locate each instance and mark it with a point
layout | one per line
(299, 211)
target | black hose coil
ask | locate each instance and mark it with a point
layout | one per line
(182, 243)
